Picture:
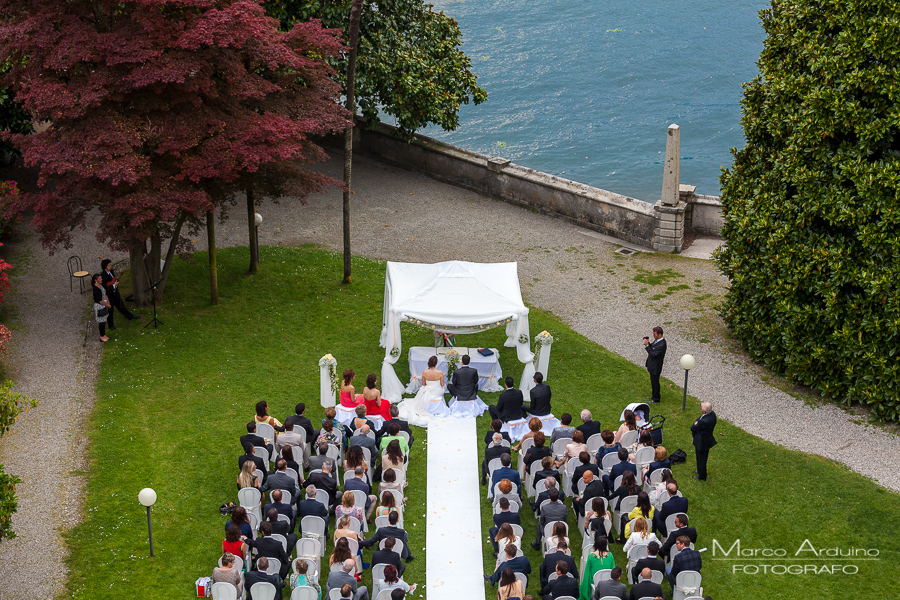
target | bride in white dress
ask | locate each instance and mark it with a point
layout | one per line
(429, 400)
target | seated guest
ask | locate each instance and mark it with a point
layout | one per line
(545, 495)
(598, 559)
(595, 519)
(344, 577)
(536, 452)
(505, 472)
(228, 574)
(330, 435)
(246, 478)
(658, 495)
(593, 487)
(629, 424)
(645, 588)
(389, 481)
(349, 397)
(673, 506)
(609, 445)
(388, 504)
(392, 581)
(586, 465)
(651, 562)
(391, 530)
(281, 527)
(404, 426)
(319, 456)
(539, 397)
(358, 482)
(620, 468)
(298, 419)
(643, 510)
(262, 416)
(645, 440)
(258, 463)
(387, 556)
(685, 560)
(629, 487)
(343, 530)
(311, 508)
(564, 584)
(280, 508)
(356, 458)
(495, 450)
(394, 434)
(501, 518)
(547, 470)
(300, 577)
(509, 404)
(325, 482)
(560, 533)
(611, 587)
(552, 511)
(640, 536)
(287, 453)
(504, 489)
(565, 429)
(496, 426)
(234, 541)
(348, 507)
(681, 522)
(256, 440)
(392, 456)
(518, 564)
(504, 537)
(267, 546)
(331, 415)
(574, 449)
(588, 427)
(374, 403)
(510, 586)
(550, 560)
(295, 440)
(242, 521)
(359, 420)
(259, 575)
(534, 427)
(341, 553)
(280, 480)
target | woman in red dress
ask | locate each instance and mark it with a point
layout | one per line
(375, 404)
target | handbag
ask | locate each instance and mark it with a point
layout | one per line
(679, 456)
(103, 311)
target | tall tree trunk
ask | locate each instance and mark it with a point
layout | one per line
(139, 280)
(170, 254)
(355, 12)
(211, 244)
(251, 222)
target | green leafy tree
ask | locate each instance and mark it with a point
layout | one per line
(409, 61)
(13, 117)
(812, 211)
(11, 406)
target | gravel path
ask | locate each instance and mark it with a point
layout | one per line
(612, 299)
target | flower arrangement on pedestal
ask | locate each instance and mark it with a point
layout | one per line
(540, 339)
(330, 362)
(452, 362)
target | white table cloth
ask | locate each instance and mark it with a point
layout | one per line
(489, 372)
(518, 429)
(346, 415)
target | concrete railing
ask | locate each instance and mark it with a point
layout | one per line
(616, 215)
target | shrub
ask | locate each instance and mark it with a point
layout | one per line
(811, 202)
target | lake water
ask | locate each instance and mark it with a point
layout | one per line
(586, 90)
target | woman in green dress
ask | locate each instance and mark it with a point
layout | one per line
(600, 558)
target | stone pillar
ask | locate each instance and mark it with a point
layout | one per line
(672, 171)
(669, 233)
(326, 394)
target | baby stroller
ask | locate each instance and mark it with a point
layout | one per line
(643, 420)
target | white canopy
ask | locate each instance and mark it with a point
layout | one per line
(454, 297)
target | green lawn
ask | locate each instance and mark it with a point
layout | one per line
(172, 404)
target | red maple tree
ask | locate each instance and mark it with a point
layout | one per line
(161, 111)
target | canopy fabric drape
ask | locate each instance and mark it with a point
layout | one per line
(454, 297)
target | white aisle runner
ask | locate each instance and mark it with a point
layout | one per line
(454, 564)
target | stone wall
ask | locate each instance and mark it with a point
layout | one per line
(619, 216)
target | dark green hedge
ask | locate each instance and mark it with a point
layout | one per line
(812, 212)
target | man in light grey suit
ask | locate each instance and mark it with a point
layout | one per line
(464, 383)
(337, 579)
(611, 587)
(280, 480)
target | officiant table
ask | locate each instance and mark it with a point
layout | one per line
(490, 375)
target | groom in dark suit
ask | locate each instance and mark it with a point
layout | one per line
(656, 353)
(464, 383)
(509, 404)
(540, 397)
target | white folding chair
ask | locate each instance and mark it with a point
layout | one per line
(673, 552)
(377, 574)
(670, 524)
(493, 465)
(559, 447)
(383, 595)
(322, 497)
(593, 443)
(608, 461)
(284, 518)
(264, 430)
(311, 567)
(617, 482)
(398, 497)
(687, 583)
(314, 527)
(280, 538)
(626, 505)
(251, 499)
(533, 468)
(336, 567)
(223, 591)
(643, 457)
(254, 524)
(263, 454)
(367, 454)
(405, 436)
(513, 507)
(286, 496)
(304, 592)
(602, 575)
(293, 474)
(334, 453)
(565, 598)
(259, 475)
(496, 490)
(657, 577)
(381, 522)
(355, 525)
(238, 563)
(263, 590)
(334, 593)
(548, 528)
(310, 550)
(524, 579)
(519, 531)
(274, 568)
(637, 552)
(629, 438)
(398, 546)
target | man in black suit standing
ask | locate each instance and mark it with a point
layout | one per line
(651, 561)
(464, 383)
(404, 426)
(509, 404)
(111, 284)
(259, 575)
(656, 353)
(681, 522)
(703, 438)
(540, 397)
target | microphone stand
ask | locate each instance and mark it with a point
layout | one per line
(155, 322)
